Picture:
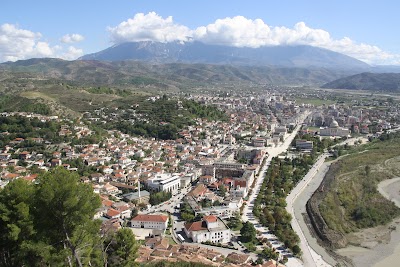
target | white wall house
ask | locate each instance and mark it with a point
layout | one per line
(211, 228)
(150, 221)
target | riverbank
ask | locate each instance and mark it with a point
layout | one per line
(383, 248)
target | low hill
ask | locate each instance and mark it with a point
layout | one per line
(162, 76)
(389, 82)
(300, 56)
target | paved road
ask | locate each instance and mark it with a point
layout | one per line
(310, 257)
(248, 209)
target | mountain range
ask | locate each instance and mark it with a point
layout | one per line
(388, 82)
(163, 76)
(172, 66)
(300, 56)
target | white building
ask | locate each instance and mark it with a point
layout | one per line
(211, 228)
(150, 221)
(165, 182)
(223, 212)
(334, 130)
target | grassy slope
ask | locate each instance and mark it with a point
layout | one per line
(353, 201)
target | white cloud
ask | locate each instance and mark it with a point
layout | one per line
(17, 43)
(242, 32)
(149, 27)
(72, 53)
(72, 38)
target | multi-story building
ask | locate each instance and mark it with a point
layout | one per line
(223, 212)
(304, 144)
(211, 228)
(150, 221)
(165, 182)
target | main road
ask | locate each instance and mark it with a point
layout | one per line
(248, 209)
(310, 257)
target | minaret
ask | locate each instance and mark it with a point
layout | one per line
(139, 188)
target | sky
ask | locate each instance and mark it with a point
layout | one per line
(364, 29)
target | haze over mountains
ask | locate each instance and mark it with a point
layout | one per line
(196, 52)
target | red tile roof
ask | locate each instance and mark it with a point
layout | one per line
(195, 226)
(210, 218)
(112, 212)
(150, 218)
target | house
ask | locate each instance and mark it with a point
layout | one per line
(55, 162)
(97, 177)
(24, 155)
(199, 191)
(210, 228)
(10, 176)
(237, 258)
(157, 242)
(110, 189)
(206, 179)
(123, 208)
(113, 214)
(150, 221)
(30, 178)
(5, 156)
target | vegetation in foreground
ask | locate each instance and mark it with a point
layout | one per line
(353, 201)
(51, 224)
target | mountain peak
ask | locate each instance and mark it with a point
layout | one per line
(197, 52)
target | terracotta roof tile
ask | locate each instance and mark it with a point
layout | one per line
(150, 218)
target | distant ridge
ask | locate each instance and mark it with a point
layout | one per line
(173, 75)
(300, 56)
(389, 82)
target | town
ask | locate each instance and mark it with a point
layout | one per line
(191, 198)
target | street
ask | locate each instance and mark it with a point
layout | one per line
(248, 209)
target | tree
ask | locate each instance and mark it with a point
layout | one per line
(248, 232)
(296, 250)
(64, 215)
(188, 217)
(16, 221)
(134, 213)
(49, 224)
(123, 249)
(222, 190)
(235, 222)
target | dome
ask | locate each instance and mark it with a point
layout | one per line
(334, 124)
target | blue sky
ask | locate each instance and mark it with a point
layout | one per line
(362, 29)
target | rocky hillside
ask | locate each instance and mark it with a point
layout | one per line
(162, 76)
(389, 82)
